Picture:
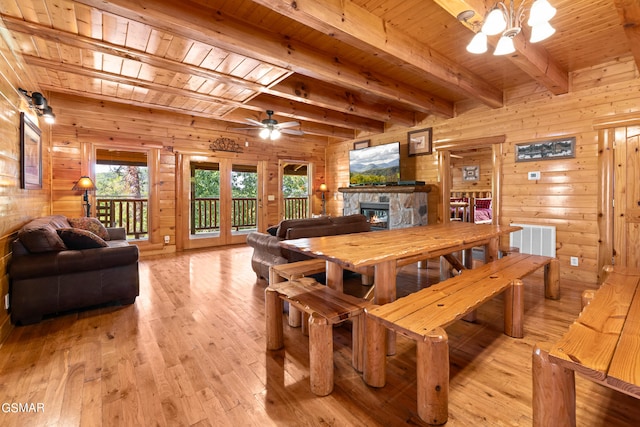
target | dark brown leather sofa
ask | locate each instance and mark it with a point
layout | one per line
(56, 268)
(267, 250)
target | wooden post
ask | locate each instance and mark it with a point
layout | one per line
(273, 318)
(514, 309)
(491, 250)
(554, 392)
(384, 281)
(357, 342)
(294, 313)
(334, 276)
(374, 373)
(552, 279)
(433, 377)
(320, 355)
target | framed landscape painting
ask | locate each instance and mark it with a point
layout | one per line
(30, 154)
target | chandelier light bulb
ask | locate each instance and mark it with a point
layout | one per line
(478, 43)
(264, 133)
(541, 13)
(505, 46)
(495, 22)
(541, 32)
(275, 134)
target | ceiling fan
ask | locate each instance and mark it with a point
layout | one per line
(271, 129)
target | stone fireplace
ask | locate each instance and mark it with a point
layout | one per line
(404, 205)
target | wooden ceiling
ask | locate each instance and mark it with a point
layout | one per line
(341, 68)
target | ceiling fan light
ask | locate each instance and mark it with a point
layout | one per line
(478, 43)
(505, 46)
(275, 134)
(541, 12)
(541, 32)
(264, 133)
(495, 23)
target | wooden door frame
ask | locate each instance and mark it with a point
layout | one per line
(606, 128)
(444, 166)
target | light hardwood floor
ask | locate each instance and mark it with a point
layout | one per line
(191, 351)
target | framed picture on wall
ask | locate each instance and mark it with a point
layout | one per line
(470, 173)
(30, 154)
(361, 144)
(419, 142)
(547, 150)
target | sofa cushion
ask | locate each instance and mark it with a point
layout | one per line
(306, 222)
(78, 239)
(40, 234)
(91, 224)
(348, 219)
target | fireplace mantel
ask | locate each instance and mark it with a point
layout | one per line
(386, 189)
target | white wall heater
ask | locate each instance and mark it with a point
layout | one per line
(534, 239)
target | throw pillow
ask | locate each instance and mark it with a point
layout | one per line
(90, 224)
(40, 237)
(77, 238)
(273, 230)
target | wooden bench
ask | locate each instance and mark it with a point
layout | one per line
(326, 307)
(603, 345)
(293, 271)
(421, 316)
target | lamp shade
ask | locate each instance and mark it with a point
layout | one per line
(323, 187)
(85, 184)
(495, 22)
(478, 43)
(505, 46)
(541, 12)
(541, 32)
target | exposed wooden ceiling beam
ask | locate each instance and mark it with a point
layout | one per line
(531, 58)
(189, 20)
(629, 11)
(302, 110)
(356, 26)
(304, 89)
(331, 98)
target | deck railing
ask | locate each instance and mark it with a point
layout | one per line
(296, 207)
(132, 214)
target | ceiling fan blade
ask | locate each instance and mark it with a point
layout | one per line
(288, 124)
(251, 128)
(292, 131)
(254, 122)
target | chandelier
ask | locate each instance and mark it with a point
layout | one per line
(507, 20)
(270, 132)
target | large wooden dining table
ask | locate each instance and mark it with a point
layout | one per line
(387, 250)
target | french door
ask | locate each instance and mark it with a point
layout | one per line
(219, 201)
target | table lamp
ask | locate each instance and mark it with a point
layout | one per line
(85, 184)
(323, 188)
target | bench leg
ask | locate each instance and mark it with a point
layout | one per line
(514, 309)
(374, 373)
(554, 392)
(273, 317)
(357, 342)
(552, 280)
(320, 355)
(433, 377)
(305, 323)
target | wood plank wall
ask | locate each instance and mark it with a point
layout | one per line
(83, 123)
(567, 193)
(17, 206)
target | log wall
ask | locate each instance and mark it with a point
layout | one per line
(17, 206)
(567, 193)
